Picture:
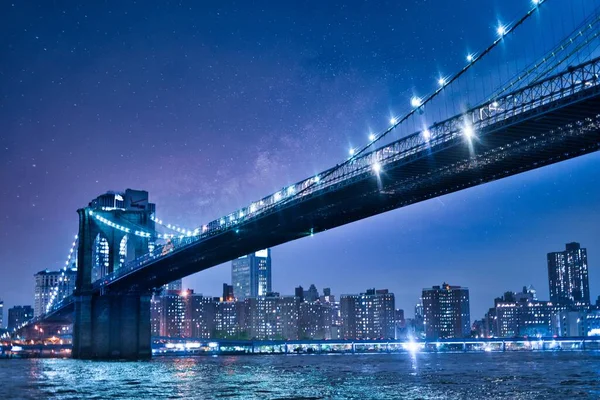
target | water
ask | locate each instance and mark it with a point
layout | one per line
(566, 375)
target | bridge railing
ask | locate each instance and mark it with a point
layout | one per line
(560, 86)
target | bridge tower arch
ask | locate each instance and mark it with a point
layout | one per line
(111, 325)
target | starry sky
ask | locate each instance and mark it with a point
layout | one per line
(210, 105)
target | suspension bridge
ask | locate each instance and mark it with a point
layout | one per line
(548, 112)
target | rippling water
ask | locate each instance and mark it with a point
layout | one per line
(396, 376)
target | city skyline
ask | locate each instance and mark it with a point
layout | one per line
(488, 238)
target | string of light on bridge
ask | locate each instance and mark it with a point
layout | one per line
(54, 290)
(176, 228)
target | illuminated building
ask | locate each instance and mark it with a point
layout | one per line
(568, 276)
(200, 316)
(1, 315)
(263, 318)
(314, 320)
(251, 275)
(289, 310)
(46, 282)
(369, 315)
(520, 314)
(172, 316)
(17, 315)
(227, 321)
(446, 312)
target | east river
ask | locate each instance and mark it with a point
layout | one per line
(511, 375)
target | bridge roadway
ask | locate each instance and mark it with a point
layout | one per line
(554, 120)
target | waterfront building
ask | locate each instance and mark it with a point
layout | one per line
(172, 316)
(155, 315)
(49, 284)
(17, 315)
(200, 316)
(568, 276)
(227, 322)
(289, 310)
(369, 315)
(263, 317)
(520, 314)
(577, 323)
(1, 314)
(314, 321)
(251, 275)
(446, 312)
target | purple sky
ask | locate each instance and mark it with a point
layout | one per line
(211, 107)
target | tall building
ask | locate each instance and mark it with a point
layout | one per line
(251, 275)
(369, 315)
(228, 293)
(312, 294)
(18, 315)
(446, 312)
(1, 315)
(314, 320)
(568, 276)
(46, 282)
(172, 315)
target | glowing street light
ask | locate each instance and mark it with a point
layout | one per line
(426, 135)
(442, 81)
(372, 137)
(468, 131)
(393, 121)
(501, 30)
(377, 167)
(415, 102)
(351, 151)
(470, 57)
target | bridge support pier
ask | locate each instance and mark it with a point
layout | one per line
(112, 326)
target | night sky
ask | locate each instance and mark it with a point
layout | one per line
(211, 106)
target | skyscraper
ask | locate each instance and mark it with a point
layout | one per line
(175, 285)
(46, 282)
(251, 275)
(1, 315)
(446, 312)
(568, 276)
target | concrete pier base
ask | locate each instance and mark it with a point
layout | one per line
(112, 327)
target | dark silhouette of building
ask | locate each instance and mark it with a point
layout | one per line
(446, 312)
(228, 292)
(299, 293)
(568, 276)
(17, 315)
(312, 294)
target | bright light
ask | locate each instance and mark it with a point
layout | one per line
(317, 179)
(501, 30)
(411, 346)
(537, 2)
(372, 137)
(470, 57)
(468, 131)
(426, 134)
(442, 81)
(351, 151)
(415, 102)
(212, 345)
(377, 167)
(393, 121)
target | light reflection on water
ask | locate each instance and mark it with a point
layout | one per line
(566, 375)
